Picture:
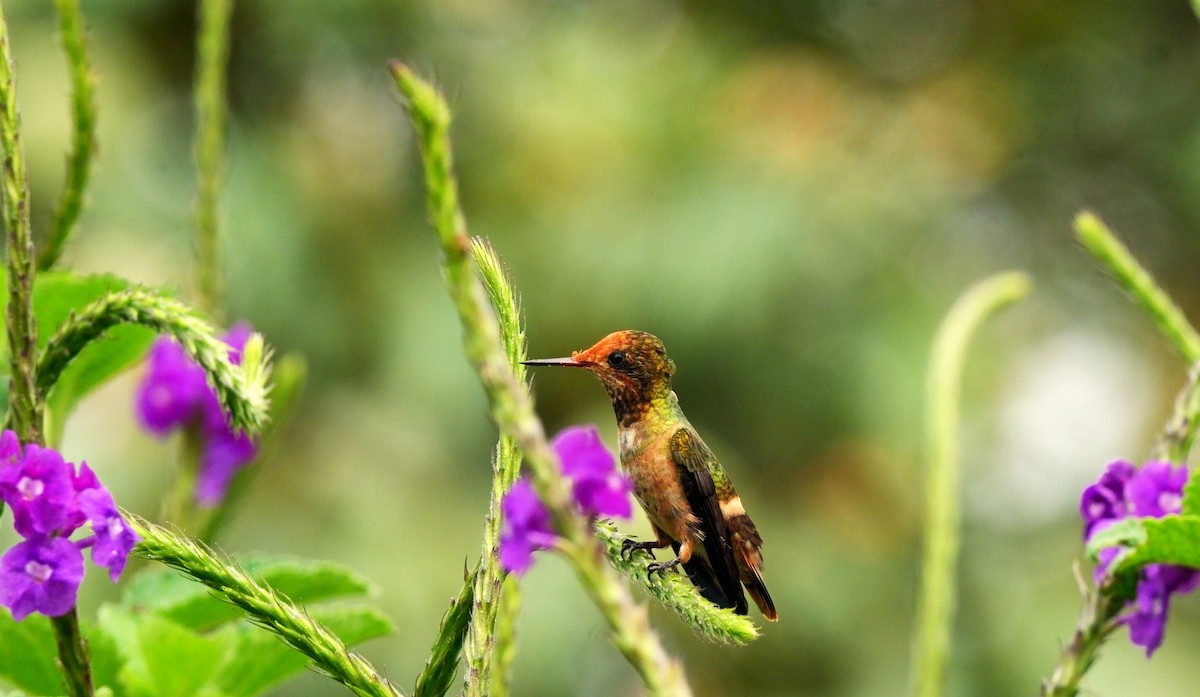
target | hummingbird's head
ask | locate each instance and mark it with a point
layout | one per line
(632, 365)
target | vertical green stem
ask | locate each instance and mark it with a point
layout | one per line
(1177, 438)
(477, 651)
(511, 404)
(212, 113)
(179, 504)
(489, 593)
(1095, 627)
(935, 607)
(22, 332)
(505, 644)
(25, 401)
(72, 654)
(83, 138)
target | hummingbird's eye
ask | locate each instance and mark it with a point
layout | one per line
(616, 359)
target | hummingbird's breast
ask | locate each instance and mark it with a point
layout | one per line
(645, 450)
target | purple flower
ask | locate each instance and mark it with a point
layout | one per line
(596, 485)
(225, 452)
(1149, 617)
(1157, 489)
(39, 488)
(86, 479)
(236, 337)
(50, 500)
(1153, 491)
(1105, 500)
(524, 527)
(599, 489)
(175, 394)
(40, 575)
(172, 390)
(113, 538)
(10, 449)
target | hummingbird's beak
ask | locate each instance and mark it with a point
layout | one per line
(566, 362)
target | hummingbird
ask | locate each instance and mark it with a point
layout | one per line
(687, 495)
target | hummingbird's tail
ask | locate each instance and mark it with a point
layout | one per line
(757, 591)
(747, 544)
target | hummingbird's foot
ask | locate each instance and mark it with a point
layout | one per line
(630, 546)
(661, 567)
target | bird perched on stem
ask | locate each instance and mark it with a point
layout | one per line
(688, 497)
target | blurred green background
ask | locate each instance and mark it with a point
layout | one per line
(789, 194)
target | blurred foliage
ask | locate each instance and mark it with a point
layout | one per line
(789, 194)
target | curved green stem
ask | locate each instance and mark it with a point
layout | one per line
(263, 607)
(83, 134)
(676, 593)
(242, 389)
(1130, 275)
(511, 404)
(935, 607)
(1177, 438)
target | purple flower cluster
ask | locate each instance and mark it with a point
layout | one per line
(1153, 491)
(175, 394)
(524, 527)
(49, 502)
(598, 489)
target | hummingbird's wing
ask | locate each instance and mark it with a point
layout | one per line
(692, 458)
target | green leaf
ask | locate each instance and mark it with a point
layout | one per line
(120, 348)
(1127, 532)
(1191, 496)
(262, 660)
(192, 605)
(442, 665)
(106, 660)
(163, 658)
(56, 294)
(28, 655)
(1173, 539)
